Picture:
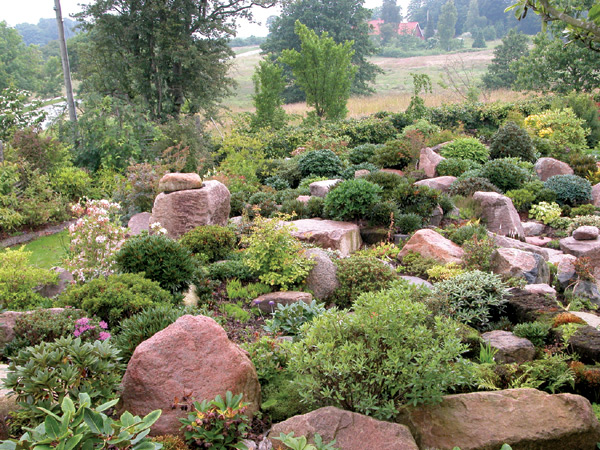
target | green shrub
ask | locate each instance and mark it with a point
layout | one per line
(359, 274)
(213, 241)
(87, 428)
(416, 264)
(362, 153)
(455, 167)
(389, 353)
(235, 290)
(233, 268)
(545, 212)
(322, 163)
(561, 127)
(289, 319)
(469, 185)
(350, 172)
(161, 258)
(459, 235)
(143, 325)
(315, 206)
(584, 210)
(42, 325)
(275, 255)
(115, 297)
(536, 332)
(408, 222)
(396, 154)
(383, 213)
(581, 163)
(388, 181)
(294, 208)
(512, 141)
(478, 252)
(426, 128)
(71, 182)
(412, 198)
(18, 279)
(472, 297)
(521, 198)
(351, 199)
(43, 375)
(466, 148)
(505, 174)
(278, 183)
(262, 203)
(570, 189)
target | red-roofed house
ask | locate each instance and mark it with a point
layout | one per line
(409, 28)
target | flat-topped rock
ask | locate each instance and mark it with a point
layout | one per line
(524, 306)
(322, 188)
(431, 244)
(171, 182)
(589, 249)
(538, 240)
(342, 236)
(512, 262)
(439, 183)
(591, 319)
(585, 233)
(541, 289)
(548, 167)
(504, 241)
(181, 211)
(500, 214)
(428, 161)
(350, 430)
(510, 348)
(526, 419)
(267, 303)
(533, 228)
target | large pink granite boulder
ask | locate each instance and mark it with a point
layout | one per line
(500, 215)
(431, 244)
(515, 263)
(439, 183)
(428, 161)
(596, 194)
(181, 211)
(548, 167)
(192, 357)
(526, 419)
(351, 431)
(172, 182)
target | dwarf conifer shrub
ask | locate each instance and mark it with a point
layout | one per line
(115, 297)
(581, 163)
(455, 167)
(321, 163)
(396, 154)
(466, 148)
(472, 297)
(213, 241)
(536, 332)
(469, 185)
(351, 200)
(408, 222)
(362, 153)
(570, 189)
(161, 258)
(386, 180)
(359, 274)
(383, 213)
(420, 200)
(389, 353)
(505, 174)
(512, 141)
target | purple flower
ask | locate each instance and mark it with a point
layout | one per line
(271, 302)
(104, 335)
(83, 321)
(103, 325)
(77, 332)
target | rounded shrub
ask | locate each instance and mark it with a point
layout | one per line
(115, 297)
(322, 163)
(396, 154)
(466, 148)
(387, 180)
(278, 183)
(348, 174)
(455, 167)
(351, 200)
(161, 258)
(473, 297)
(412, 198)
(582, 164)
(231, 268)
(382, 213)
(408, 222)
(468, 186)
(512, 141)
(213, 241)
(388, 354)
(570, 189)
(362, 153)
(358, 274)
(505, 174)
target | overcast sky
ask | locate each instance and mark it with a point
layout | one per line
(30, 11)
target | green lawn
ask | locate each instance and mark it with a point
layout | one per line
(48, 251)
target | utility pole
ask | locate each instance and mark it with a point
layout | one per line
(65, 63)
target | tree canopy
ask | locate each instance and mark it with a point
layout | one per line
(170, 54)
(343, 20)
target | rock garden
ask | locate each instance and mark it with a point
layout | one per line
(396, 282)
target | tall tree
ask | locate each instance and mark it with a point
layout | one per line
(343, 20)
(474, 20)
(19, 64)
(390, 12)
(268, 85)
(502, 73)
(447, 24)
(168, 53)
(324, 71)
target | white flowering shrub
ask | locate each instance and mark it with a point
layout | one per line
(95, 238)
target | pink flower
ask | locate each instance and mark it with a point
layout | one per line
(83, 321)
(104, 336)
(103, 325)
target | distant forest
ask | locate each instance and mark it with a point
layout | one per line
(45, 31)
